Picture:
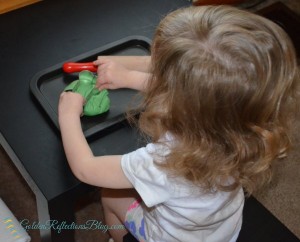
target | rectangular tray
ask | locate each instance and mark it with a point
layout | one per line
(48, 84)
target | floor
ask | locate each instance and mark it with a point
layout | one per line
(281, 197)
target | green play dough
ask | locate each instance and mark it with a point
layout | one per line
(97, 102)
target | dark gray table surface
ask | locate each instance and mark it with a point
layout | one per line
(44, 34)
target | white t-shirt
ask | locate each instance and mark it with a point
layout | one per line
(176, 210)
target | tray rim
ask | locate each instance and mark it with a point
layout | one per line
(34, 86)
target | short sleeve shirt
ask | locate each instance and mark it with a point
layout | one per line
(176, 210)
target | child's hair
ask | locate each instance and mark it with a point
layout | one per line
(225, 85)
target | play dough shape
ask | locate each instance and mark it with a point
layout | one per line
(96, 102)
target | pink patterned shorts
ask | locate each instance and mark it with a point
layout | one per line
(134, 221)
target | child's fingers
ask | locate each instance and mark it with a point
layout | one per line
(104, 86)
(100, 80)
(70, 102)
(71, 97)
(62, 94)
(102, 75)
(100, 61)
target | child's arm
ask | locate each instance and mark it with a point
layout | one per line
(137, 63)
(123, 72)
(103, 171)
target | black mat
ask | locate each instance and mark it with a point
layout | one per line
(259, 225)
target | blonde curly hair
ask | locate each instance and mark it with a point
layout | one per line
(225, 84)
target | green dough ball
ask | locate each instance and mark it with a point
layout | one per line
(97, 102)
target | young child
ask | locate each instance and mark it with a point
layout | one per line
(219, 90)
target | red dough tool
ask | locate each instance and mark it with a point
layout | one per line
(71, 67)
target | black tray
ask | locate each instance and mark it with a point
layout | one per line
(48, 84)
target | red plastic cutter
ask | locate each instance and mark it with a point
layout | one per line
(71, 67)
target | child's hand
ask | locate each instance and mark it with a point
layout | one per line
(111, 75)
(70, 103)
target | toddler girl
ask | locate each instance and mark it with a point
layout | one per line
(219, 90)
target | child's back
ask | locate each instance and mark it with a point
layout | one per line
(174, 209)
